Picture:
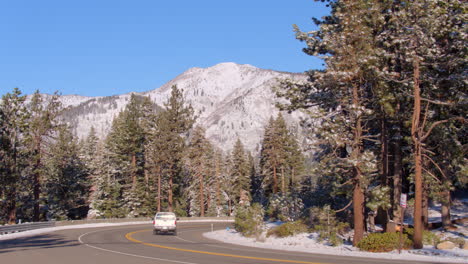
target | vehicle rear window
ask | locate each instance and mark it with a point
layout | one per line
(165, 217)
(169, 216)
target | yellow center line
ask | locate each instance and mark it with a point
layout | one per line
(129, 237)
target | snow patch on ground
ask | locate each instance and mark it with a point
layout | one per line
(307, 242)
(57, 228)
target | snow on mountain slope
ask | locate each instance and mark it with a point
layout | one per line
(231, 101)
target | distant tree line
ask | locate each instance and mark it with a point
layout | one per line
(151, 160)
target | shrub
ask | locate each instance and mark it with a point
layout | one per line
(288, 229)
(429, 238)
(285, 207)
(384, 242)
(323, 221)
(249, 220)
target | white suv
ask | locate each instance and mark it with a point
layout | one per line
(165, 222)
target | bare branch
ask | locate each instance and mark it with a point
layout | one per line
(432, 175)
(436, 165)
(345, 183)
(426, 113)
(346, 207)
(439, 123)
(371, 140)
(436, 102)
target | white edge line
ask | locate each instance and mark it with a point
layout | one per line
(126, 254)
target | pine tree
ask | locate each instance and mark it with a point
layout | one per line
(240, 174)
(13, 116)
(126, 146)
(280, 155)
(66, 186)
(220, 182)
(167, 145)
(43, 124)
(270, 158)
(199, 156)
(91, 154)
(345, 40)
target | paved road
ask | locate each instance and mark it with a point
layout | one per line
(137, 245)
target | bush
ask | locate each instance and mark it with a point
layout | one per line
(288, 229)
(285, 207)
(384, 242)
(323, 220)
(249, 220)
(429, 238)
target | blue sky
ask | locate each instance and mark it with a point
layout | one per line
(106, 47)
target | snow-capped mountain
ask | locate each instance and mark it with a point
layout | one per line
(231, 101)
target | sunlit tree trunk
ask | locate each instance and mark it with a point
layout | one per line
(417, 153)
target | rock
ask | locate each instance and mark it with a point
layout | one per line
(465, 246)
(261, 238)
(446, 245)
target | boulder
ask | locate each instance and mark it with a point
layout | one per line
(446, 245)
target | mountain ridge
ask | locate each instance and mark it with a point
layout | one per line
(231, 101)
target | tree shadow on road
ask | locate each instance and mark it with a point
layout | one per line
(35, 243)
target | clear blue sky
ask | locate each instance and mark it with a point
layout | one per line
(106, 47)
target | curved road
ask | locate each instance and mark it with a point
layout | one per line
(137, 245)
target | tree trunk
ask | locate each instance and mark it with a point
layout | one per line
(11, 192)
(36, 194)
(446, 200)
(218, 189)
(134, 173)
(382, 214)
(292, 185)
(147, 187)
(275, 180)
(283, 186)
(37, 184)
(169, 195)
(12, 205)
(358, 211)
(159, 188)
(202, 196)
(358, 194)
(397, 180)
(445, 209)
(416, 137)
(425, 209)
(208, 201)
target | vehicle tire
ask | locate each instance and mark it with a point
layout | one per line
(155, 232)
(175, 232)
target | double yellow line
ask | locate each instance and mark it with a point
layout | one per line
(129, 237)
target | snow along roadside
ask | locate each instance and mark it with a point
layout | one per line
(308, 243)
(57, 228)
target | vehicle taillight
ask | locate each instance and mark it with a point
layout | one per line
(175, 222)
(153, 222)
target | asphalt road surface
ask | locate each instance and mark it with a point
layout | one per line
(136, 244)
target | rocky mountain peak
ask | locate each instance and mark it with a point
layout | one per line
(231, 100)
